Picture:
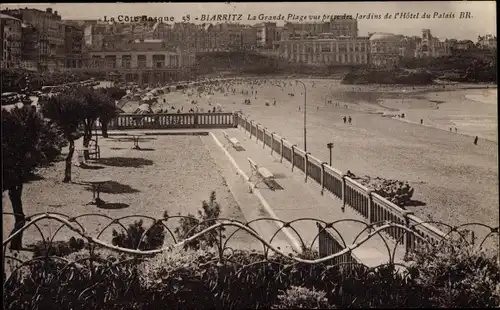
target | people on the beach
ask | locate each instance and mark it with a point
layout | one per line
(421, 121)
(455, 129)
(345, 119)
(349, 120)
(475, 140)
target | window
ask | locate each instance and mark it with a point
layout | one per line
(325, 48)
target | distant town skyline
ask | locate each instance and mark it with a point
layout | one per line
(444, 21)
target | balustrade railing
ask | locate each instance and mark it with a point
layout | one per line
(372, 207)
(168, 121)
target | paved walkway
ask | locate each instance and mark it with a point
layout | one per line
(299, 199)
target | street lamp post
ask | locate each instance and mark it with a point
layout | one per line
(330, 146)
(305, 106)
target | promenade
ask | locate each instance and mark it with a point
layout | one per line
(298, 199)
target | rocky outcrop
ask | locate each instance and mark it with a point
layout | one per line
(398, 192)
(402, 77)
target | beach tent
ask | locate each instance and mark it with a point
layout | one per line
(143, 109)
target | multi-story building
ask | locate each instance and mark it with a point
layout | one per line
(487, 42)
(187, 36)
(463, 45)
(326, 49)
(11, 41)
(385, 49)
(407, 47)
(431, 46)
(50, 38)
(142, 61)
(336, 27)
(232, 36)
(267, 34)
(73, 46)
(343, 27)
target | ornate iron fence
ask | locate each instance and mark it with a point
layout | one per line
(333, 248)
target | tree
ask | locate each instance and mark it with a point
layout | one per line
(27, 143)
(67, 110)
(110, 111)
(94, 101)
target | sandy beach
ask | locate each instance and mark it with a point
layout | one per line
(457, 180)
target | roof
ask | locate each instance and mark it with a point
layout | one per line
(5, 16)
(383, 36)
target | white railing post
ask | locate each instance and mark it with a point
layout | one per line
(343, 192)
(293, 155)
(306, 161)
(323, 177)
(264, 137)
(257, 133)
(369, 212)
(408, 235)
(251, 127)
(281, 147)
(272, 142)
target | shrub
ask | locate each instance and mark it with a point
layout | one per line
(191, 225)
(136, 236)
(302, 298)
(457, 275)
(196, 279)
(58, 248)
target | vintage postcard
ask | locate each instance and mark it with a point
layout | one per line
(241, 155)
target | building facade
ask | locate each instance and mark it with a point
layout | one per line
(11, 41)
(143, 62)
(73, 46)
(487, 42)
(337, 28)
(326, 50)
(385, 50)
(267, 34)
(408, 45)
(50, 36)
(431, 46)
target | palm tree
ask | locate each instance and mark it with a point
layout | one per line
(27, 143)
(67, 110)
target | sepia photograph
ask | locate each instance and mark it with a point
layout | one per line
(250, 155)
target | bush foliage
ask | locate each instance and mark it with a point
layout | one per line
(198, 277)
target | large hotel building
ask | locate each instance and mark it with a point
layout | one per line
(144, 61)
(326, 49)
(330, 43)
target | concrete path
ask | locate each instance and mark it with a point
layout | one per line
(299, 199)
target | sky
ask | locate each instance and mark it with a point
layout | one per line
(444, 21)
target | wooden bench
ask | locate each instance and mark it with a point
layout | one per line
(94, 150)
(261, 173)
(230, 141)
